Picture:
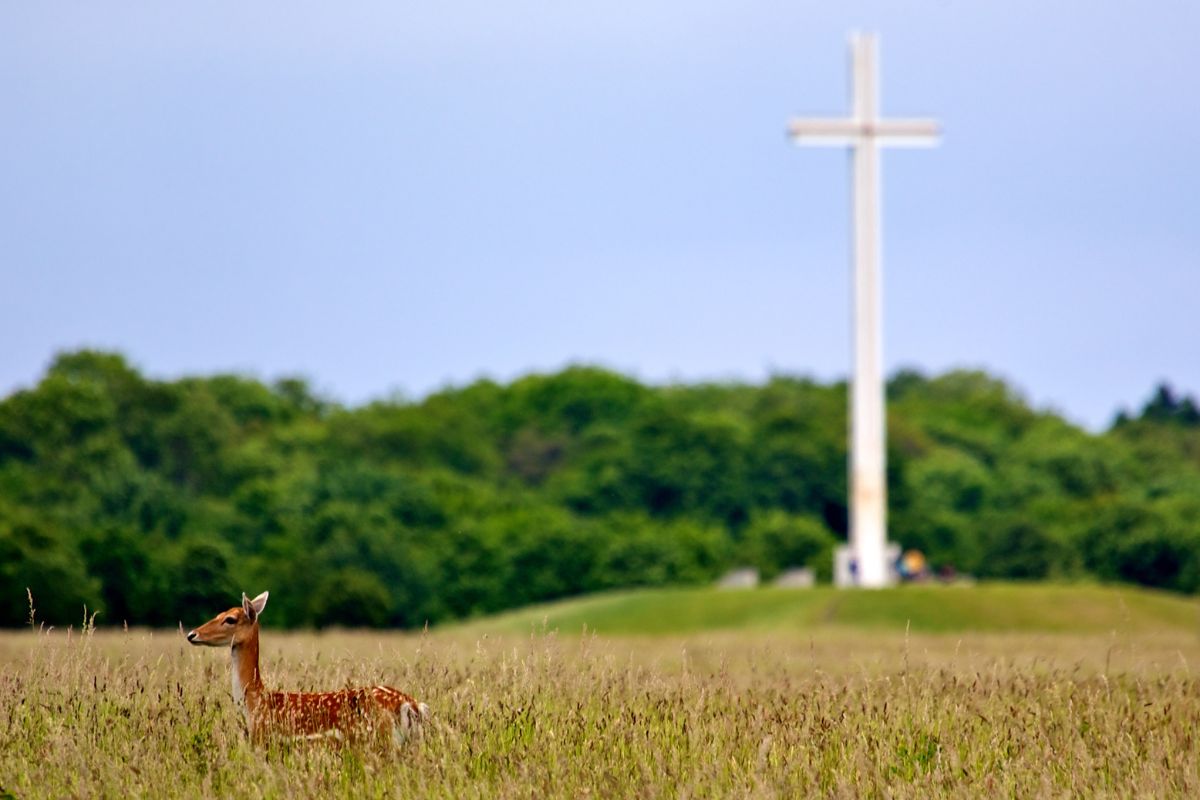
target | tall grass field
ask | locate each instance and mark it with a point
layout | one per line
(904, 693)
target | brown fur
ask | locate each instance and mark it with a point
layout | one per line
(375, 712)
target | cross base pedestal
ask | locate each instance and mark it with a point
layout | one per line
(845, 566)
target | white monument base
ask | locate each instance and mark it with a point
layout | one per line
(845, 567)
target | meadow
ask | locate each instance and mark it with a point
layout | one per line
(750, 694)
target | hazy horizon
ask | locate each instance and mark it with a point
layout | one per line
(388, 198)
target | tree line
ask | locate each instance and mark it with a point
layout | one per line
(153, 502)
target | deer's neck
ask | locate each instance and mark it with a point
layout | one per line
(243, 673)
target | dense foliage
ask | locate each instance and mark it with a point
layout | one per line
(153, 501)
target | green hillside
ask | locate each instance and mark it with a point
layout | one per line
(153, 502)
(994, 607)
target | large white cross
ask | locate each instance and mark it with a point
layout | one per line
(864, 132)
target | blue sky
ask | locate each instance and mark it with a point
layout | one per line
(388, 197)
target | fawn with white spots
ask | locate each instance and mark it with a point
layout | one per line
(378, 712)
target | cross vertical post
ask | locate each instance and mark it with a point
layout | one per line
(864, 132)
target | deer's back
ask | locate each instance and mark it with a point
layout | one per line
(346, 711)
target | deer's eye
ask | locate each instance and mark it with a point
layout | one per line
(231, 620)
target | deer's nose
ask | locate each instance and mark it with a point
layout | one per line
(191, 637)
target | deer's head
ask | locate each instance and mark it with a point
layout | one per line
(231, 628)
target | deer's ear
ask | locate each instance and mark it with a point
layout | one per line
(248, 607)
(259, 603)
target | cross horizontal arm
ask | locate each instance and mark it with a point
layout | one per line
(843, 131)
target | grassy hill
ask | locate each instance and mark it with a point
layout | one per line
(989, 607)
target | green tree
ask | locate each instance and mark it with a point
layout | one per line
(775, 540)
(157, 501)
(640, 551)
(43, 560)
(351, 598)
(1021, 549)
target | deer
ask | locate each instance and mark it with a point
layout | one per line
(352, 714)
